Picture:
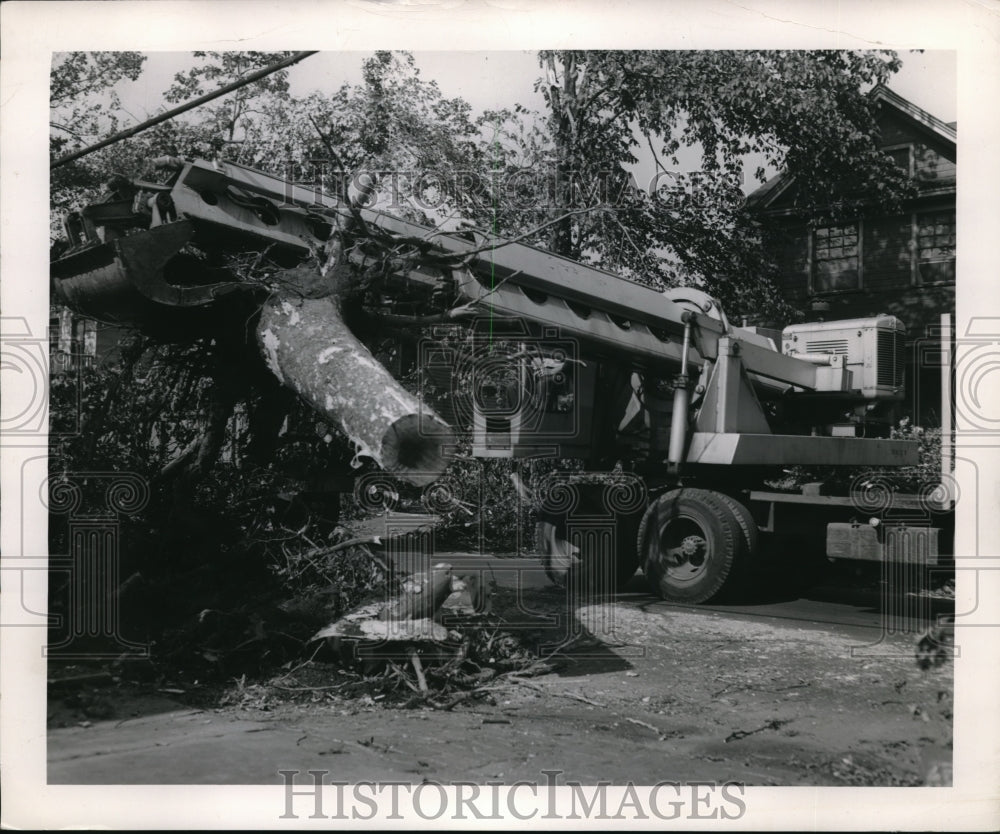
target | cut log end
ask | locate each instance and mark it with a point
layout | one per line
(415, 448)
(310, 349)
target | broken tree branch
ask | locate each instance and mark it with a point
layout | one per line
(310, 349)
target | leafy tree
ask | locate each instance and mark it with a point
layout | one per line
(84, 107)
(802, 109)
(83, 102)
(83, 96)
(232, 119)
(562, 178)
(395, 136)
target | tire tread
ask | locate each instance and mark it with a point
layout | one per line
(739, 535)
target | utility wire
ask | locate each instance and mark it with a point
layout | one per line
(228, 88)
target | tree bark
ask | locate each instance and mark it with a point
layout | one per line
(423, 594)
(310, 349)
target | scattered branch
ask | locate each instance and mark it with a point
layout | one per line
(648, 726)
(564, 693)
(354, 543)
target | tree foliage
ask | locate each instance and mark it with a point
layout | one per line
(82, 97)
(234, 117)
(804, 110)
(395, 137)
(84, 107)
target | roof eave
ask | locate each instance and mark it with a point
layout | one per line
(941, 129)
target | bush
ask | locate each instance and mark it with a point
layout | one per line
(479, 505)
(928, 470)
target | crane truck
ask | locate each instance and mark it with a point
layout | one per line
(682, 418)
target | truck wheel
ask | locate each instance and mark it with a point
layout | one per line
(751, 537)
(588, 559)
(695, 545)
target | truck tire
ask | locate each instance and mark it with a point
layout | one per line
(751, 536)
(583, 561)
(696, 545)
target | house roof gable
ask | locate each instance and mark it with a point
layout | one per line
(765, 196)
(921, 118)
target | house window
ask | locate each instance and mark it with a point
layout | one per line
(836, 261)
(935, 245)
(902, 155)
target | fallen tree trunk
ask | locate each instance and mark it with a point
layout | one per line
(311, 350)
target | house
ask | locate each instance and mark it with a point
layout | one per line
(72, 340)
(901, 263)
(76, 341)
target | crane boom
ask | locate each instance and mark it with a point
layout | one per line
(126, 249)
(509, 279)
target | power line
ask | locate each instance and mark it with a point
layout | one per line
(228, 88)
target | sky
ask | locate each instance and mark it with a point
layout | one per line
(492, 80)
(484, 79)
(498, 79)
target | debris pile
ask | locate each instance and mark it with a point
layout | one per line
(437, 642)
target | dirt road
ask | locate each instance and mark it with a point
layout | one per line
(648, 693)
